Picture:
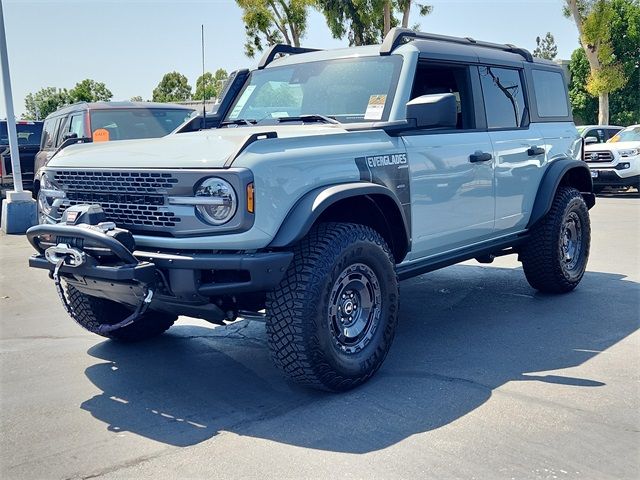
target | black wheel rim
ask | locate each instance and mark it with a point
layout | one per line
(355, 306)
(571, 241)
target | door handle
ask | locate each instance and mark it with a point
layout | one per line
(480, 157)
(533, 151)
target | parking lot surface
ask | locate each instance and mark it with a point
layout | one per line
(486, 379)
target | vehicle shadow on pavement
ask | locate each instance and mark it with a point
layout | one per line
(464, 331)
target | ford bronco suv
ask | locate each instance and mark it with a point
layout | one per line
(322, 179)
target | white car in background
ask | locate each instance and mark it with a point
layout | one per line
(615, 163)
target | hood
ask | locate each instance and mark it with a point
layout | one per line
(611, 147)
(205, 149)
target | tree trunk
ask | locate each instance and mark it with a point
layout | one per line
(603, 108)
(387, 18)
(591, 52)
(405, 14)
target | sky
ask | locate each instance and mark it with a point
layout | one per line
(130, 44)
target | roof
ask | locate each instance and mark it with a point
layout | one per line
(402, 41)
(115, 105)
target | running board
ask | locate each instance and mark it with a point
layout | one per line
(436, 262)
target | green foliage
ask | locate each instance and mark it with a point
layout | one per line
(624, 103)
(362, 21)
(268, 22)
(546, 47)
(209, 85)
(174, 87)
(137, 98)
(45, 101)
(90, 91)
(584, 105)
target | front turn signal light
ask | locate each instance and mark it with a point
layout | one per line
(250, 198)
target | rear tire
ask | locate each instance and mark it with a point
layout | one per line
(91, 312)
(331, 321)
(555, 257)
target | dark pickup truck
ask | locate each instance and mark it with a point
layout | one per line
(29, 135)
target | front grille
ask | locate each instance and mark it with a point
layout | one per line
(133, 182)
(133, 200)
(602, 156)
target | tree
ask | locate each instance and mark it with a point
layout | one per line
(174, 87)
(137, 98)
(366, 22)
(546, 47)
(90, 91)
(625, 40)
(45, 101)
(208, 85)
(268, 22)
(593, 19)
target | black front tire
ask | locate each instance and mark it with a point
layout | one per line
(555, 257)
(331, 321)
(91, 312)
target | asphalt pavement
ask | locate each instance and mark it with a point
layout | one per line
(486, 379)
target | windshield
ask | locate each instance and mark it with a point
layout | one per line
(28, 133)
(126, 124)
(348, 90)
(629, 134)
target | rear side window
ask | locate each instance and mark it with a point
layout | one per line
(551, 98)
(503, 97)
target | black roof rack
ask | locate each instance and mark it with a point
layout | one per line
(282, 49)
(396, 35)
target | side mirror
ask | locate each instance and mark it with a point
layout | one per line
(69, 135)
(590, 140)
(433, 111)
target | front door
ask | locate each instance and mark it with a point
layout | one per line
(452, 170)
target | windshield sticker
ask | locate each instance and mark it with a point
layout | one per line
(242, 101)
(279, 114)
(375, 107)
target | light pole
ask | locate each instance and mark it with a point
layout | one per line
(19, 209)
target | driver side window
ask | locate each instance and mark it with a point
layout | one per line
(433, 79)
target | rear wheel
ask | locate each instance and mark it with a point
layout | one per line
(332, 319)
(555, 257)
(91, 312)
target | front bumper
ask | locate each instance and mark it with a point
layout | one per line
(185, 283)
(611, 178)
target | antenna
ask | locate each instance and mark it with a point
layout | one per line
(204, 85)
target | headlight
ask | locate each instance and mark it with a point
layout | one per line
(630, 152)
(216, 201)
(47, 195)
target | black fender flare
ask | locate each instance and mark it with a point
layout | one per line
(577, 174)
(308, 209)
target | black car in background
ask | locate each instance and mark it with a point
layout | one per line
(29, 136)
(106, 122)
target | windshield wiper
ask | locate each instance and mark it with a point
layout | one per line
(239, 121)
(313, 117)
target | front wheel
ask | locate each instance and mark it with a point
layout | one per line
(555, 257)
(332, 319)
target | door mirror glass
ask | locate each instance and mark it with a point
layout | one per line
(433, 111)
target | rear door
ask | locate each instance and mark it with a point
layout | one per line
(452, 191)
(519, 149)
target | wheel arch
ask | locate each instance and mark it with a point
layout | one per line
(561, 172)
(359, 202)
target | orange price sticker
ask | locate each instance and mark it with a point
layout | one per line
(101, 135)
